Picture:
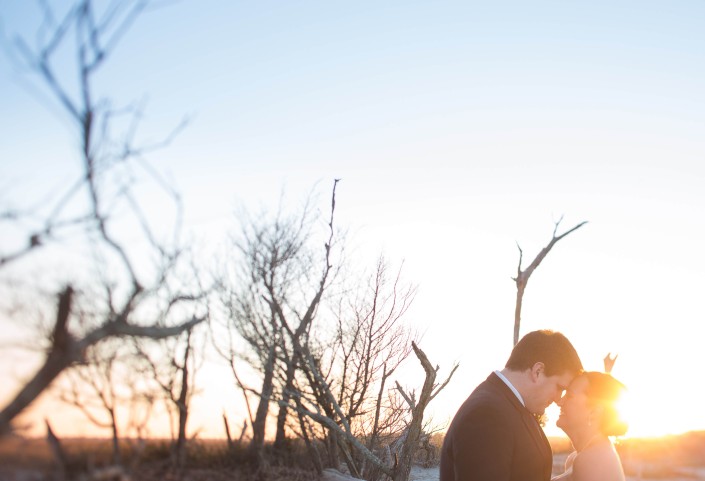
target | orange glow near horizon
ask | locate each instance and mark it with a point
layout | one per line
(646, 422)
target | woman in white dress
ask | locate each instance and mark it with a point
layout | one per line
(589, 416)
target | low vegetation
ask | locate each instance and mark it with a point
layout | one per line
(663, 458)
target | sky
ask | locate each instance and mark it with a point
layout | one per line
(459, 130)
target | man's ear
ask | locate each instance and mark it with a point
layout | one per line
(536, 370)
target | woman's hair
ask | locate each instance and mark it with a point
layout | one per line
(605, 391)
(551, 348)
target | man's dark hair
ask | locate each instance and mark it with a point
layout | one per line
(551, 348)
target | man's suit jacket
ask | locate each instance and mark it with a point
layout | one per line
(493, 437)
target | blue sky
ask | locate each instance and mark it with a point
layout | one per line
(459, 129)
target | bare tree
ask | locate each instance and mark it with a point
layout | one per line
(341, 383)
(279, 287)
(297, 318)
(429, 390)
(522, 277)
(400, 469)
(172, 364)
(93, 389)
(372, 344)
(133, 301)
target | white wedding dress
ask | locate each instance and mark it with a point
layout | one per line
(568, 473)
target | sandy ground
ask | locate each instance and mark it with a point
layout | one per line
(432, 474)
(417, 474)
(423, 474)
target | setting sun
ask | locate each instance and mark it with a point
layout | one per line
(648, 411)
(625, 408)
(654, 416)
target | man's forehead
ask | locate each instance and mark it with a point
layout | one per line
(564, 380)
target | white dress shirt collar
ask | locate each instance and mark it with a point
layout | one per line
(510, 386)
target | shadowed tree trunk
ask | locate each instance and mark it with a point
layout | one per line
(61, 355)
(66, 350)
(286, 397)
(428, 392)
(258, 427)
(182, 403)
(58, 452)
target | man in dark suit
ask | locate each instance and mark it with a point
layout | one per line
(494, 436)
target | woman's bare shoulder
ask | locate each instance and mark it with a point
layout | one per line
(598, 463)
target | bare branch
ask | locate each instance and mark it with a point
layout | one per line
(445, 383)
(411, 402)
(522, 277)
(609, 361)
(330, 424)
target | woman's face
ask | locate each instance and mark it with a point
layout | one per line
(575, 411)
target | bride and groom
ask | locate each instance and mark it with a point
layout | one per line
(495, 436)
